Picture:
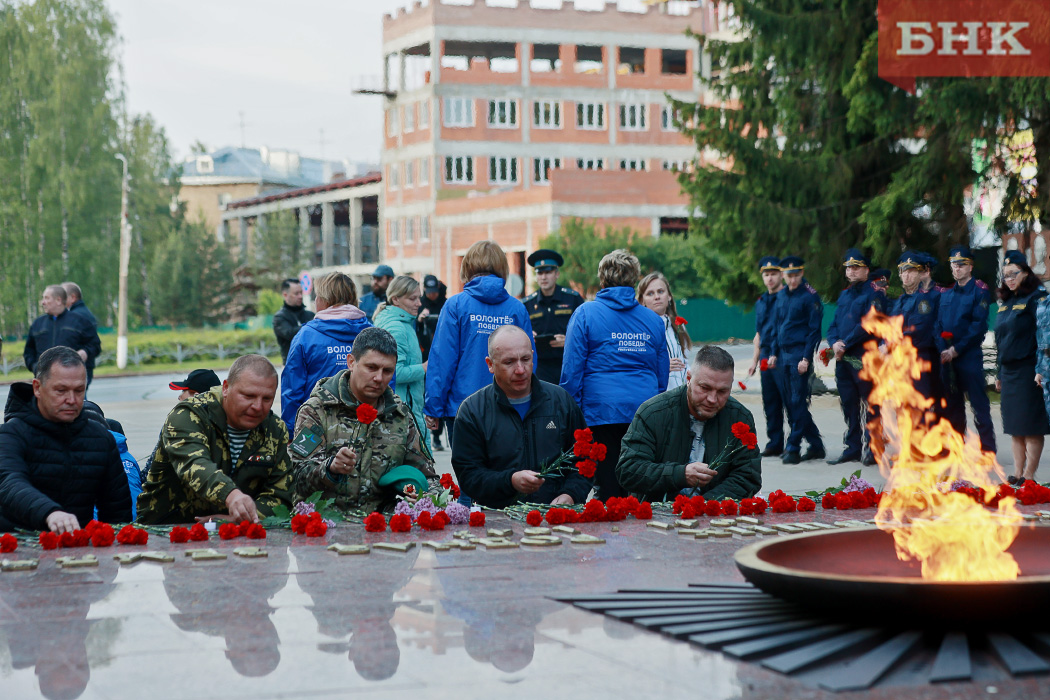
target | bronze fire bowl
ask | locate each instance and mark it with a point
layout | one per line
(855, 574)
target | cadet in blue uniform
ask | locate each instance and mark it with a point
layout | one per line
(772, 385)
(880, 277)
(797, 314)
(962, 321)
(926, 282)
(846, 337)
(918, 306)
(1021, 403)
(549, 311)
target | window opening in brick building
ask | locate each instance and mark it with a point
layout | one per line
(395, 231)
(545, 58)
(424, 229)
(459, 111)
(634, 164)
(410, 118)
(500, 56)
(632, 117)
(541, 168)
(410, 173)
(590, 115)
(546, 114)
(503, 171)
(631, 60)
(674, 226)
(590, 164)
(424, 171)
(503, 114)
(424, 115)
(588, 59)
(672, 62)
(410, 229)
(459, 169)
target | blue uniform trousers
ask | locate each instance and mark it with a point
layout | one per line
(853, 398)
(797, 391)
(929, 382)
(773, 405)
(965, 375)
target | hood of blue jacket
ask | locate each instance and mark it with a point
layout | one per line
(122, 442)
(342, 330)
(619, 298)
(488, 288)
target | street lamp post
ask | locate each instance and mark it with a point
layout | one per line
(125, 254)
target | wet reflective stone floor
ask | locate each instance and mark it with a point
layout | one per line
(307, 622)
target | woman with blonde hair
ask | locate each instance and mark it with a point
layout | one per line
(320, 347)
(398, 316)
(615, 359)
(654, 293)
(457, 357)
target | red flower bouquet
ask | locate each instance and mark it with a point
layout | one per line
(375, 522)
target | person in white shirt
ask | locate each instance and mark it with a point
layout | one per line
(654, 293)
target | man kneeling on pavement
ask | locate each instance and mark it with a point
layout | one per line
(674, 437)
(507, 430)
(222, 452)
(355, 440)
(57, 466)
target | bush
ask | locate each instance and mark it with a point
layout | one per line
(189, 345)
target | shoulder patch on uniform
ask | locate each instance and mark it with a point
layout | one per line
(809, 288)
(306, 442)
(981, 285)
(531, 296)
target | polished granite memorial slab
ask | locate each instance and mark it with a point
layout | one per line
(307, 622)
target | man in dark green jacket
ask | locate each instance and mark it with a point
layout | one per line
(222, 452)
(682, 439)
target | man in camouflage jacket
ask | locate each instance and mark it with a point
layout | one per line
(193, 473)
(335, 453)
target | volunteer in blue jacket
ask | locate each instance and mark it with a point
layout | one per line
(320, 347)
(918, 306)
(798, 313)
(615, 360)
(456, 367)
(1021, 402)
(962, 322)
(846, 337)
(772, 380)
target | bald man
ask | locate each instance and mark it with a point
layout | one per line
(507, 430)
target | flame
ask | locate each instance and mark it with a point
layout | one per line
(954, 537)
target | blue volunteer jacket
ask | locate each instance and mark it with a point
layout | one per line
(615, 356)
(797, 316)
(456, 367)
(318, 351)
(963, 312)
(131, 468)
(854, 302)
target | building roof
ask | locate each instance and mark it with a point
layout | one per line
(304, 191)
(279, 167)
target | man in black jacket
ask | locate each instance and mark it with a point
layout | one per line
(57, 465)
(290, 317)
(512, 427)
(75, 305)
(60, 327)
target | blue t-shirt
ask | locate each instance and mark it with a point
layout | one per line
(521, 405)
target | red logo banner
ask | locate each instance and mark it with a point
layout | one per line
(962, 38)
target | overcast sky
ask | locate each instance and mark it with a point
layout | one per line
(289, 66)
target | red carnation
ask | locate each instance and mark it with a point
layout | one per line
(729, 506)
(688, 512)
(679, 503)
(631, 504)
(228, 531)
(366, 413)
(129, 534)
(8, 543)
(698, 503)
(598, 451)
(179, 534)
(81, 538)
(102, 535)
(763, 365)
(644, 511)
(477, 519)
(581, 449)
(593, 512)
(760, 505)
(49, 540)
(743, 387)
(784, 504)
(65, 540)
(825, 356)
(713, 508)
(318, 528)
(806, 505)
(857, 500)
(256, 532)
(455, 492)
(587, 468)
(440, 520)
(299, 523)
(842, 501)
(423, 519)
(747, 506)
(679, 321)
(375, 522)
(750, 441)
(948, 336)
(827, 501)
(740, 429)
(446, 481)
(583, 435)
(400, 522)
(198, 533)
(534, 518)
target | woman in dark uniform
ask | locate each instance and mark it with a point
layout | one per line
(1021, 401)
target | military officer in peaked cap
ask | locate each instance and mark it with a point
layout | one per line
(962, 322)
(773, 391)
(928, 262)
(847, 337)
(549, 311)
(919, 308)
(798, 313)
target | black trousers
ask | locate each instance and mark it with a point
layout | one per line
(605, 479)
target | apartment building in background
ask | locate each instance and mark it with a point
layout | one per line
(503, 119)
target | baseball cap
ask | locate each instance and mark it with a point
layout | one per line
(198, 380)
(383, 271)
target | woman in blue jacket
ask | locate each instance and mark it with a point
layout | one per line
(320, 347)
(398, 316)
(456, 367)
(615, 360)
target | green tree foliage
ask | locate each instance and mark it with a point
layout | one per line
(192, 271)
(279, 252)
(270, 302)
(783, 171)
(583, 245)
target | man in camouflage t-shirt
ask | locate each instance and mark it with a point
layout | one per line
(194, 473)
(336, 453)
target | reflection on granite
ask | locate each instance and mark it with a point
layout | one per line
(307, 622)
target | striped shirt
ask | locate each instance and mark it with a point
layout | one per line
(237, 439)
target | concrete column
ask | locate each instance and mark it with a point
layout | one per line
(223, 231)
(612, 108)
(327, 234)
(306, 243)
(354, 239)
(260, 231)
(242, 224)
